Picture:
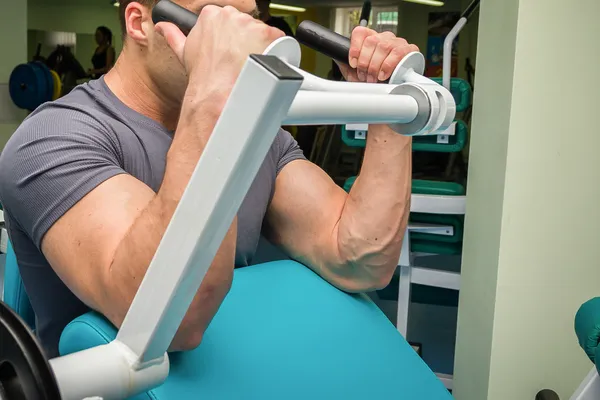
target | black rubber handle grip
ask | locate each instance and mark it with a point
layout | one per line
(324, 41)
(167, 11)
(308, 33)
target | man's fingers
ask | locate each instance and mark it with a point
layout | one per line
(375, 68)
(174, 37)
(366, 55)
(393, 59)
(359, 35)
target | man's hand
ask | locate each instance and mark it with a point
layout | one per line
(216, 49)
(374, 56)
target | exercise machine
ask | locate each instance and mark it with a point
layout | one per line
(282, 332)
(42, 80)
(434, 234)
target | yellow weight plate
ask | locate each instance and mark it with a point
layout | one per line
(57, 86)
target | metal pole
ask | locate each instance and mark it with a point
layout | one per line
(323, 108)
(239, 143)
(470, 9)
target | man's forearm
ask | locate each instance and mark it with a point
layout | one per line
(137, 249)
(374, 218)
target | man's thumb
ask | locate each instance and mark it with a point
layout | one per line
(175, 38)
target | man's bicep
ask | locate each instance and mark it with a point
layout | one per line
(81, 244)
(304, 213)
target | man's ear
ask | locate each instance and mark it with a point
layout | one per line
(136, 16)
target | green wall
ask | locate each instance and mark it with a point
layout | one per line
(531, 253)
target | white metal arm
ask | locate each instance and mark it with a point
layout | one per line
(589, 388)
(137, 361)
(436, 108)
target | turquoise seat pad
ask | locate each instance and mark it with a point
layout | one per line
(284, 333)
(587, 328)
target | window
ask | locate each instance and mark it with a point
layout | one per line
(382, 19)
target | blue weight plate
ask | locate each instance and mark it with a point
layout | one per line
(24, 87)
(49, 82)
(43, 82)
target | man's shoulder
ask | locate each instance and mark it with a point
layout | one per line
(78, 113)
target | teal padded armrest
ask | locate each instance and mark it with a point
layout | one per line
(430, 247)
(461, 91)
(455, 221)
(587, 328)
(285, 333)
(14, 290)
(437, 188)
(419, 186)
(350, 141)
(456, 142)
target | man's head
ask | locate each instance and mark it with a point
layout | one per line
(263, 7)
(147, 52)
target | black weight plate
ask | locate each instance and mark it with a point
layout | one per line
(24, 372)
(24, 87)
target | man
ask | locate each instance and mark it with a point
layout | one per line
(90, 182)
(276, 22)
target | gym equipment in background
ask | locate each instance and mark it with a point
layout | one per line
(365, 14)
(42, 80)
(282, 332)
(436, 222)
(31, 85)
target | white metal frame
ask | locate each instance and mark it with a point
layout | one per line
(589, 388)
(448, 205)
(410, 274)
(259, 104)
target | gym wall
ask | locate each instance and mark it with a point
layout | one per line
(80, 17)
(531, 250)
(13, 31)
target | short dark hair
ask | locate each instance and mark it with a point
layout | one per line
(123, 7)
(107, 33)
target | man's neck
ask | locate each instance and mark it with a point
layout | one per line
(137, 92)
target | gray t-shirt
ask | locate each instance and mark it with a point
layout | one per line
(63, 151)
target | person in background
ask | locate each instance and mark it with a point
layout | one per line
(275, 22)
(104, 57)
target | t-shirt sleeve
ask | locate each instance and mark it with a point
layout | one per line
(55, 158)
(289, 150)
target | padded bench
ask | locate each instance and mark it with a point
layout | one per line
(282, 333)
